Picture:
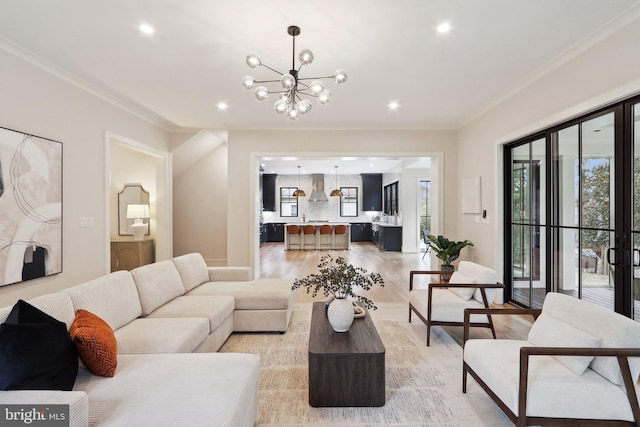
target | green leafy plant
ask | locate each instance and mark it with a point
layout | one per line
(447, 250)
(338, 278)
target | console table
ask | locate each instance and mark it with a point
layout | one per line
(129, 254)
(345, 369)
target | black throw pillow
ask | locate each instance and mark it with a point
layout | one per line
(36, 351)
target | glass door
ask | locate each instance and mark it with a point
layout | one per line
(527, 223)
(583, 177)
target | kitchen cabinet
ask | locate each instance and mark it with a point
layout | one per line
(390, 238)
(129, 254)
(371, 191)
(269, 192)
(360, 231)
(275, 231)
(263, 233)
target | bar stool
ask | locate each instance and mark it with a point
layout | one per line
(325, 240)
(294, 240)
(341, 237)
(309, 237)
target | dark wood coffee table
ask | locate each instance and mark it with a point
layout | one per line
(345, 369)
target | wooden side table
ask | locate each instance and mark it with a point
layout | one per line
(345, 369)
(129, 254)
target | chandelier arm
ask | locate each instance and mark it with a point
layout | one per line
(316, 78)
(274, 70)
(267, 81)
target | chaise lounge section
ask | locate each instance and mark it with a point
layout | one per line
(168, 373)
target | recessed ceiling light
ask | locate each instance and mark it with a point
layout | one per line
(146, 28)
(444, 27)
(393, 105)
(222, 106)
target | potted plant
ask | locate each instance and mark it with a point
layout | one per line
(448, 251)
(337, 278)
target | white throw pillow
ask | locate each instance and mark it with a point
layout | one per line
(549, 331)
(464, 293)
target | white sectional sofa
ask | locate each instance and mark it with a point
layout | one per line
(161, 318)
(580, 365)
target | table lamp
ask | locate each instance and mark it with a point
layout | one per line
(138, 213)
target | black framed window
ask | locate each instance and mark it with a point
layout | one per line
(569, 199)
(349, 201)
(288, 202)
(391, 205)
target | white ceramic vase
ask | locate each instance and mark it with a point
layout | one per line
(340, 314)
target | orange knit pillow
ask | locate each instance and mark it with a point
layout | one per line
(96, 343)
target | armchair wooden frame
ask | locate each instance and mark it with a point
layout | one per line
(521, 420)
(429, 322)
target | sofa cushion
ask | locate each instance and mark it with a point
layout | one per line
(446, 306)
(95, 342)
(113, 298)
(199, 389)
(553, 391)
(260, 294)
(480, 274)
(36, 352)
(464, 293)
(615, 330)
(192, 270)
(157, 284)
(548, 331)
(162, 335)
(57, 305)
(214, 308)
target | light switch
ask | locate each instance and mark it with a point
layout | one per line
(86, 221)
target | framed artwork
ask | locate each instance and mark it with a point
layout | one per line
(472, 195)
(30, 207)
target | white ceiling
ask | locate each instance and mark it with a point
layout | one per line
(390, 50)
(346, 165)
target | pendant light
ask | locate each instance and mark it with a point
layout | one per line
(299, 192)
(336, 192)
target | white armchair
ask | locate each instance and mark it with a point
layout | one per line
(472, 286)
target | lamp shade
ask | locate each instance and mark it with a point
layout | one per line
(135, 211)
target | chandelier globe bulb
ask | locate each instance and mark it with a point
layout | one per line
(305, 57)
(304, 106)
(287, 81)
(262, 93)
(340, 76)
(281, 106)
(316, 87)
(324, 97)
(248, 82)
(293, 113)
(253, 60)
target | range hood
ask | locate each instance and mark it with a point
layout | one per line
(317, 188)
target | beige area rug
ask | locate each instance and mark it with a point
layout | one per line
(423, 384)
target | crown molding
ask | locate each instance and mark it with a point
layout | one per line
(125, 105)
(606, 30)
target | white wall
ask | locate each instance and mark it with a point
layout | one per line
(200, 208)
(246, 146)
(602, 74)
(37, 102)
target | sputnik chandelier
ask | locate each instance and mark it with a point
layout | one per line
(293, 96)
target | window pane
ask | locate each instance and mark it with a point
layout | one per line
(520, 178)
(349, 201)
(288, 202)
(568, 177)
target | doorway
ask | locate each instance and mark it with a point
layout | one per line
(572, 203)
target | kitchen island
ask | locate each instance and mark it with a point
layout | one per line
(316, 240)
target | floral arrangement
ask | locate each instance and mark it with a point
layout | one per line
(338, 278)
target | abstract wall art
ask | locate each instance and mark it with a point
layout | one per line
(30, 207)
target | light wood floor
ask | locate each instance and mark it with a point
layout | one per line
(394, 267)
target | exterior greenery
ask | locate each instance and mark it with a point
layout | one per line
(447, 250)
(338, 278)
